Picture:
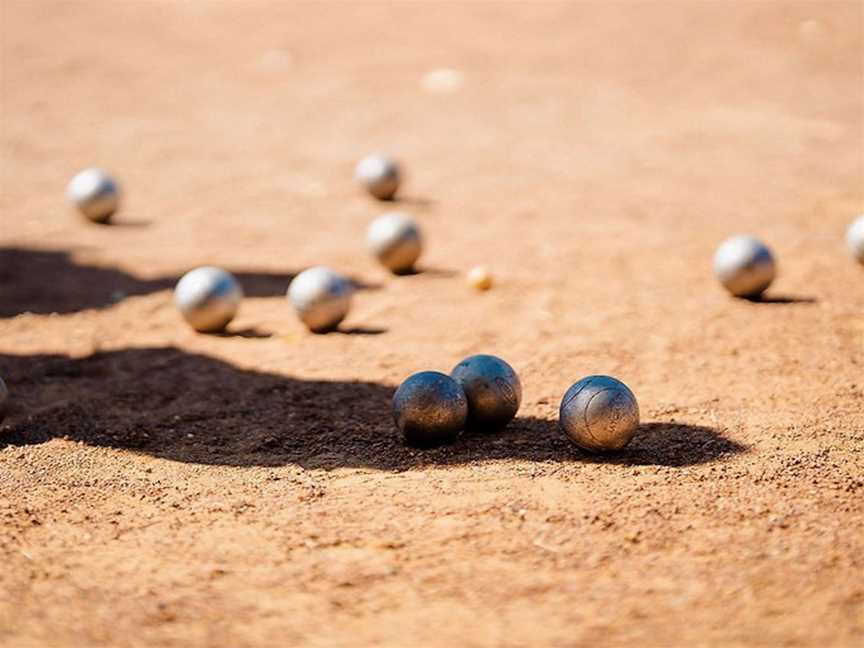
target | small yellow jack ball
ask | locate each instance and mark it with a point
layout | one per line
(479, 278)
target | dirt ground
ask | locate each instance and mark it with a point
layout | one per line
(164, 488)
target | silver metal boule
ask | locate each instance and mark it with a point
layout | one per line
(95, 194)
(855, 239)
(379, 175)
(429, 408)
(394, 239)
(745, 266)
(599, 414)
(4, 398)
(492, 388)
(321, 298)
(208, 298)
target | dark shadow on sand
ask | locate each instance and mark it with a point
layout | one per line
(131, 223)
(193, 408)
(419, 202)
(361, 330)
(781, 299)
(250, 333)
(51, 281)
(427, 272)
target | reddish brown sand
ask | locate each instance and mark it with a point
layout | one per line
(163, 488)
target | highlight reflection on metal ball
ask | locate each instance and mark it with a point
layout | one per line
(4, 397)
(321, 298)
(745, 266)
(429, 408)
(208, 298)
(394, 239)
(855, 239)
(95, 194)
(380, 175)
(492, 388)
(599, 414)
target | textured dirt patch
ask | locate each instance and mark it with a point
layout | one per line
(162, 488)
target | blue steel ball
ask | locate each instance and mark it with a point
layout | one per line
(855, 239)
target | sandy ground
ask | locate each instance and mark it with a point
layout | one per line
(163, 488)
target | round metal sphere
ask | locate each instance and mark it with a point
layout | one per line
(95, 194)
(745, 266)
(379, 175)
(4, 397)
(208, 298)
(492, 388)
(855, 239)
(429, 408)
(321, 298)
(394, 239)
(599, 414)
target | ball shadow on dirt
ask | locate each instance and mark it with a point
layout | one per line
(194, 408)
(52, 281)
(780, 300)
(659, 444)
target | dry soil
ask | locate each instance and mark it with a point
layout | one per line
(164, 488)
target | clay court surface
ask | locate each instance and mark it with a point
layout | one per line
(164, 488)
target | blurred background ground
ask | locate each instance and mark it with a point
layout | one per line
(162, 488)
